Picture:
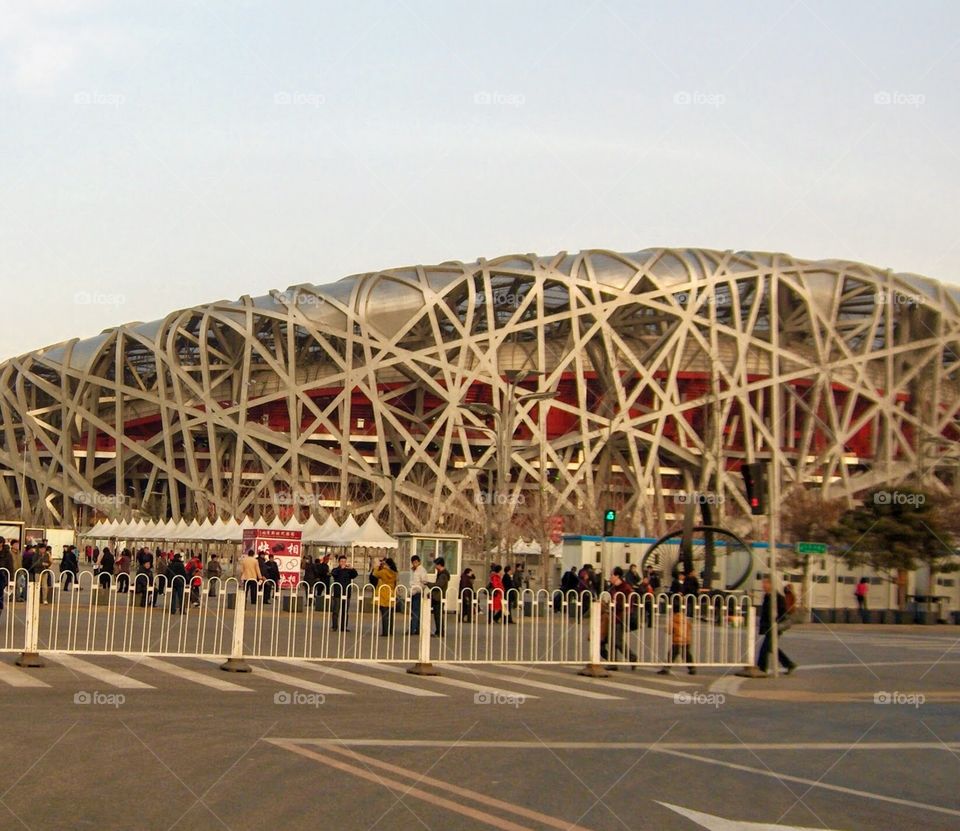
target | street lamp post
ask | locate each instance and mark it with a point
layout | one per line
(505, 426)
(391, 496)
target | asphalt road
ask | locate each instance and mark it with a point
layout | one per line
(864, 736)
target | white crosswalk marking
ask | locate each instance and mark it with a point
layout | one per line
(189, 674)
(529, 682)
(288, 680)
(596, 682)
(105, 676)
(456, 682)
(366, 679)
(18, 678)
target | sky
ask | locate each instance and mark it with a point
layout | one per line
(155, 156)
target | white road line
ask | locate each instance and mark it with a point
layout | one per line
(540, 685)
(595, 682)
(288, 680)
(188, 674)
(366, 679)
(106, 676)
(16, 677)
(949, 747)
(456, 682)
(813, 783)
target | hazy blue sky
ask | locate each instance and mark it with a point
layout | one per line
(158, 154)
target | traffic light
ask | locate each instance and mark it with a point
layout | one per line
(609, 520)
(755, 480)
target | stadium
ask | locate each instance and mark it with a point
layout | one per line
(522, 391)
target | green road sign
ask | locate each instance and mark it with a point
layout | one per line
(811, 548)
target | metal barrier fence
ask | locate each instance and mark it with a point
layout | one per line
(132, 615)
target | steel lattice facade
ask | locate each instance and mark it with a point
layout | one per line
(667, 368)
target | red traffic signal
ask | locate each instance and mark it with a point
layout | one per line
(755, 481)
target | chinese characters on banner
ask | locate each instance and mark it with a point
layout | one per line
(285, 546)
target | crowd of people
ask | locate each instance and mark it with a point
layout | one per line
(153, 574)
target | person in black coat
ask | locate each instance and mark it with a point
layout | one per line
(343, 577)
(144, 577)
(69, 568)
(322, 570)
(106, 568)
(511, 596)
(766, 645)
(177, 580)
(271, 577)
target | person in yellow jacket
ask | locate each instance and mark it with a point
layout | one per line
(386, 574)
(250, 575)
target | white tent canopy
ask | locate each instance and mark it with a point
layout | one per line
(371, 535)
(343, 537)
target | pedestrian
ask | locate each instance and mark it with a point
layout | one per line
(766, 627)
(271, 578)
(510, 592)
(633, 576)
(645, 590)
(568, 583)
(680, 637)
(309, 578)
(678, 586)
(250, 575)
(467, 579)
(654, 579)
(342, 580)
(214, 572)
(438, 595)
(105, 572)
(194, 571)
(7, 570)
(123, 571)
(19, 576)
(790, 599)
(386, 593)
(418, 584)
(861, 594)
(160, 564)
(620, 611)
(177, 578)
(69, 569)
(144, 578)
(495, 587)
(43, 565)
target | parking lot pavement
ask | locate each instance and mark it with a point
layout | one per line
(108, 742)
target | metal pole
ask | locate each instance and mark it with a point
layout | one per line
(774, 577)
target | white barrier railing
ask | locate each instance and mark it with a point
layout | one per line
(221, 617)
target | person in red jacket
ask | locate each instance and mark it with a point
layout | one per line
(495, 587)
(194, 569)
